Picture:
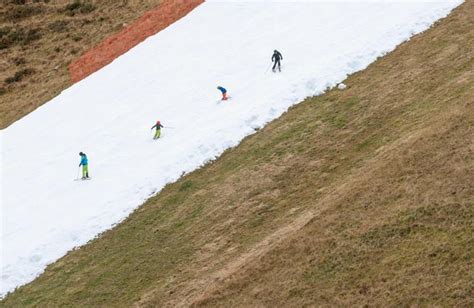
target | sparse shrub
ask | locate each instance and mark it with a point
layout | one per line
(18, 2)
(32, 35)
(77, 38)
(19, 75)
(4, 31)
(87, 8)
(16, 35)
(73, 6)
(5, 40)
(79, 7)
(2, 91)
(9, 37)
(86, 21)
(24, 11)
(186, 185)
(58, 26)
(19, 61)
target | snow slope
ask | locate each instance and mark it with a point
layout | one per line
(172, 76)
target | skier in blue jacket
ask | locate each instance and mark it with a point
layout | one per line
(85, 166)
(224, 93)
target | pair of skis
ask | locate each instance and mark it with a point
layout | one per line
(224, 100)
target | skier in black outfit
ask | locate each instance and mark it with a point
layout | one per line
(276, 58)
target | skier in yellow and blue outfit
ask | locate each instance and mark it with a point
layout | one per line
(85, 166)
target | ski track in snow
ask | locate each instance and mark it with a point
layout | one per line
(172, 76)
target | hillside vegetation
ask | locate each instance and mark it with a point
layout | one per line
(38, 39)
(356, 197)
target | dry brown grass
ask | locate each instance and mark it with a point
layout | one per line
(356, 197)
(45, 37)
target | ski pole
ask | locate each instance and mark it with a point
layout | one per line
(78, 172)
(268, 67)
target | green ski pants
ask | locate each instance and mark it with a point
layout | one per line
(157, 134)
(85, 171)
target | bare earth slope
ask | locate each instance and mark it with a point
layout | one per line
(361, 196)
(38, 39)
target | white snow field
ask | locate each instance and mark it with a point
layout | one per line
(172, 77)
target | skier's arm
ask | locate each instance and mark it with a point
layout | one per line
(161, 126)
(281, 56)
(153, 126)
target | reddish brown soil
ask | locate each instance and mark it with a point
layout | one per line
(168, 12)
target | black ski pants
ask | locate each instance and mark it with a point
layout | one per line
(277, 61)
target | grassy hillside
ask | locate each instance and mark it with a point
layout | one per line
(39, 38)
(362, 196)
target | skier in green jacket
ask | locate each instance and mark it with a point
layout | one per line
(158, 127)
